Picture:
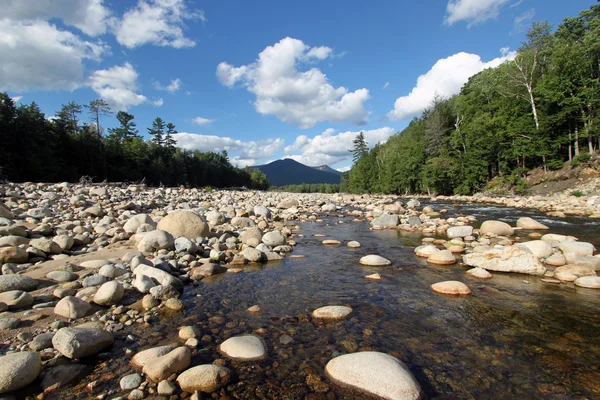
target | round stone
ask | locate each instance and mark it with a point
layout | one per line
(245, 347)
(451, 288)
(376, 374)
(590, 282)
(353, 244)
(204, 378)
(443, 257)
(479, 273)
(332, 312)
(330, 242)
(18, 370)
(374, 260)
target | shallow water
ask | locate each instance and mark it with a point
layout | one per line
(509, 339)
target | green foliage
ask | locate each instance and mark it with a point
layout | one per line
(581, 158)
(555, 165)
(577, 193)
(308, 188)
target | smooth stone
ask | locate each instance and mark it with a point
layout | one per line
(591, 282)
(145, 356)
(571, 272)
(386, 220)
(451, 287)
(353, 244)
(18, 370)
(81, 342)
(41, 342)
(162, 277)
(62, 276)
(497, 228)
(426, 250)
(245, 348)
(17, 282)
(530, 224)
(539, 248)
(330, 242)
(131, 381)
(375, 373)
(184, 223)
(187, 332)
(72, 307)
(156, 240)
(205, 378)
(332, 312)
(109, 294)
(507, 259)
(374, 277)
(9, 323)
(171, 363)
(459, 231)
(556, 260)
(16, 299)
(442, 257)
(374, 260)
(273, 239)
(166, 388)
(479, 273)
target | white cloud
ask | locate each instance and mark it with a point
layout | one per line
(158, 103)
(16, 99)
(299, 97)
(202, 121)
(38, 55)
(344, 169)
(472, 11)
(89, 16)
(248, 152)
(117, 85)
(445, 78)
(521, 21)
(159, 22)
(331, 148)
(387, 85)
(172, 87)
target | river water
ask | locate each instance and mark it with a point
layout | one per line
(514, 337)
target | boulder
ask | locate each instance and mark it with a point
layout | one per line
(145, 356)
(48, 246)
(185, 245)
(507, 259)
(571, 272)
(374, 260)
(590, 282)
(573, 250)
(497, 228)
(109, 294)
(166, 365)
(539, 248)
(15, 255)
(205, 378)
(18, 370)
(459, 231)
(251, 236)
(386, 220)
(81, 342)
(72, 307)
(376, 374)
(442, 257)
(155, 240)
(184, 223)
(273, 239)
(451, 287)
(133, 223)
(253, 255)
(530, 224)
(332, 312)
(245, 348)
(16, 299)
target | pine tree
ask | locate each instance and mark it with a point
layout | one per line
(157, 131)
(97, 108)
(169, 141)
(126, 131)
(360, 149)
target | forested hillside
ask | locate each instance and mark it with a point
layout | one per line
(539, 110)
(65, 149)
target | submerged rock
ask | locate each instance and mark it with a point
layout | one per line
(508, 259)
(332, 312)
(374, 260)
(451, 287)
(204, 378)
(245, 347)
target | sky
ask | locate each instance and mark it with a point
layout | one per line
(266, 79)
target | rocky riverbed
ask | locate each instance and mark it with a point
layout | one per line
(138, 292)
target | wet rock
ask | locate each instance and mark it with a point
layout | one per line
(508, 259)
(571, 272)
(81, 342)
(330, 242)
(530, 224)
(245, 348)
(72, 307)
(451, 288)
(375, 373)
(479, 273)
(426, 250)
(574, 250)
(459, 231)
(131, 381)
(155, 240)
(497, 228)
(164, 292)
(109, 294)
(188, 332)
(16, 299)
(590, 282)
(253, 255)
(61, 375)
(353, 244)
(184, 223)
(442, 257)
(332, 312)
(174, 304)
(171, 363)
(18, 370)
(374, 260)
(374, 277)
(149, 302)
(556, 260)
(204, 378)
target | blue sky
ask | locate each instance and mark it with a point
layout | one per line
(263, 80)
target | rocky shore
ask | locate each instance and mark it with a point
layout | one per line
(82, 266)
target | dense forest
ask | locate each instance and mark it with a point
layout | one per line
(63, 148)
(538, 111)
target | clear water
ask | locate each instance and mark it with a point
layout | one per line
(508, 340)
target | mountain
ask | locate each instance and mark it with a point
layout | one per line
(291, 172)
(327, 168)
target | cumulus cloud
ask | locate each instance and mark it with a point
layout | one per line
(172, 87)
(89, 16)
(246, 152)
(299, 97)
(38, 55)
(445, 78)
(159, 22)
(330, 147)
(344, 169)
(473, 12)
(117, 85)
(202, 121)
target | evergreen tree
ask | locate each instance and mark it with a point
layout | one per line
(169, 141)
(127, 129)
(98, 108)
(360, 148)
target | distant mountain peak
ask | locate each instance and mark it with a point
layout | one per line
(288, 171)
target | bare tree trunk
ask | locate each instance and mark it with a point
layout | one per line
(576, 140)
(570, 145)
(544, 161)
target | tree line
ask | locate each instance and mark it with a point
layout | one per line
(539, 110)
(64, 148)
